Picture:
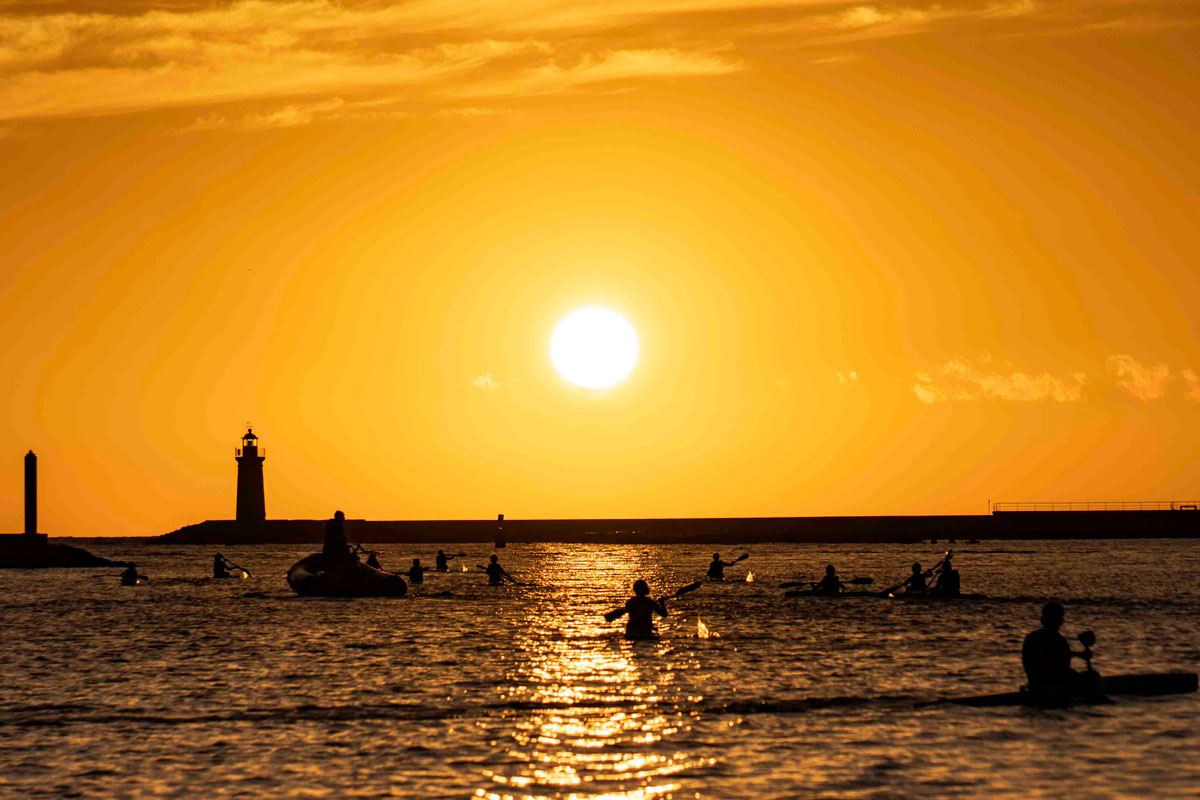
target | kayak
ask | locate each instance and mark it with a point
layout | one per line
(318, 576)
(1146, 684)
(880, 596)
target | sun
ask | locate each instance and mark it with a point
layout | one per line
(594, 347)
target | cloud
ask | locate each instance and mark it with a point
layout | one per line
(1193, 382)
(1144, 382)
(292, 54)
(959, 381)
(486, 382)
(847, 377)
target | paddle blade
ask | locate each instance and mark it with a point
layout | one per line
(614, 614)
(742, 557)
(691, 587)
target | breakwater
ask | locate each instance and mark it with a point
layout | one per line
(717, 530)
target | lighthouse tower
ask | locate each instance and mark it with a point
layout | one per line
(251, 500)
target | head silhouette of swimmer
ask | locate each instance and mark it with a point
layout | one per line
(641, 588)
(1052, 616)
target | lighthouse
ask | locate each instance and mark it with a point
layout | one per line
(251, 500)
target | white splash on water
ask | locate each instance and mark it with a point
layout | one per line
(464, 566)
(702, 631)
(749, 577)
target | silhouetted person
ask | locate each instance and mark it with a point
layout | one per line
(221, 567)
(130, 576)
(416, 573)
(373, 560)
(335, 538)
(1046, 656)
(830, 584)
(716, 567)
(641, 610)
(442, 562)
(948, 582)
(496, 573)
(916, 582)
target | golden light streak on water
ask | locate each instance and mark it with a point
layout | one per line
(701, 629)
(749, 577)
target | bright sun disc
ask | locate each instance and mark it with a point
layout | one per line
(594, 347)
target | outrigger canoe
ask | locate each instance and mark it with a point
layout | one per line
(319, 576)
(1146, 684)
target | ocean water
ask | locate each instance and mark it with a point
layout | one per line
(189, 687)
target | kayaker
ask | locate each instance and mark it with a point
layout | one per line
(496, 573)
(442, 562)
(130, 576)
(335, 538)
(1046, 656)
(948, 583)
(641, 610)
(416, 573)
(916, 582)
(830, 584)
(221, 567)
(373, 559)
(716, 568)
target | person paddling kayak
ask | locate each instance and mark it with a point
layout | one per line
(1046, 657)
(948, 583)
(221, 567)
(416, 573)
(496, 573)
(916, 582)
(373, 559)
(641, 610)
(442, 562)
(130, 576)
(716, 567)
(830, 584)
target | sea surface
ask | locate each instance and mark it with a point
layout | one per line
(190, 687)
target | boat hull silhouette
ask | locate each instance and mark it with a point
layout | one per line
(317, 575)
(1149, 684)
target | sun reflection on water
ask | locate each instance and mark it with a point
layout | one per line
(590, 710)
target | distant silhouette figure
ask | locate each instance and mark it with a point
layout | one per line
(496, 573)
(641, 610)
(1046, 656)
(716, 567)
(335, 538)
(416, 573)
(830, 584)
(916, 582)
(221, 567)
(373, 559)
(130, 576)
(441, 563)
(948, 582)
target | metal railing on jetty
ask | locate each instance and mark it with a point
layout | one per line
(1100, 505)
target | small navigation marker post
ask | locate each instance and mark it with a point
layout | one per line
(500, 532)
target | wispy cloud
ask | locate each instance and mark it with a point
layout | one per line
(845, 378)
(1146, 382)
(958, 381)
(486, 382)
(1193, 385)
(294, 55)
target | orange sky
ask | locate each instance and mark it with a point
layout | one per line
(882, 258)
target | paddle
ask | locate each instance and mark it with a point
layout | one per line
(691, 587)
(928, 574)
(249, 574)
